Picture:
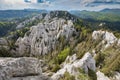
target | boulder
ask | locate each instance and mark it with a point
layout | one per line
(23, 68)
(116, 76)
(101, 76)
(40, 77)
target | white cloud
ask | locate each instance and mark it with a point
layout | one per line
(12, 4)
(58, 4)
(83, 4)
(21, 4)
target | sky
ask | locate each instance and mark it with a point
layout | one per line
(93, 5)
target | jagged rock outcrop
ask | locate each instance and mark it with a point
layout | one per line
(42, 39)
(101, 76)
(72, 64)
(4, 43)
(116, 76)
(48, 16)
(119, 42)
(21, 69)
(33, 19)
(60, 14)
(107, 38)
(41, 77)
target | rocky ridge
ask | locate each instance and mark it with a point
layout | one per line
(43, 38)
(107, 38)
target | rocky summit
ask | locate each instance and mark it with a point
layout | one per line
(43, 38)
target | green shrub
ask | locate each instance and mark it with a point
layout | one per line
(4, 52)
(111, 60)
(117, 34)
(82, 75)
(56, 68)
(62, 55)
(92, 74)
(67, 76)
(112, 65)
(99, 58)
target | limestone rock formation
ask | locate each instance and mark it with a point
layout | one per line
(101, 76)
(119, 42)
(86, 62)
(4, 43)
(116, 76)
(107, 38)
(60, 14)
(41, 77)
(42, 39)
(20, 68)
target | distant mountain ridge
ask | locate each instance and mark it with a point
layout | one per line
(5, 14)
(111, 15)
(113, 11)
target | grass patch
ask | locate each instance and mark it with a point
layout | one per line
(67, 76)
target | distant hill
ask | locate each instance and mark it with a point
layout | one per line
(111, 15)
(5, 14)
(114, 11)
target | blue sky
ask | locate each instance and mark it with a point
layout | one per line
(60, 4)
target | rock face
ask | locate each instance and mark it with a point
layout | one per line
(101, 76)
(119, 42)
(4, 43)
(86, 62)
(20, 68)
(42, 39)
(61, 14)
(41, 77)
(116, 76)
(105, 36)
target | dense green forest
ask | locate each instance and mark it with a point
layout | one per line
(6, 27)
(110, 15)
(107, 19)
